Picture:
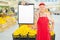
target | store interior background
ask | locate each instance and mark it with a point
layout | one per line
(53, 5)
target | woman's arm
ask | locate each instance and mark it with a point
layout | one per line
(51, 20)
(36, 15)
(36, 19)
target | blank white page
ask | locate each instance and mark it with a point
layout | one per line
(26, 14)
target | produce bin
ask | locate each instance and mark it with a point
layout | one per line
(53, 37)
(15, 37)
(32, 37)
(23, 37)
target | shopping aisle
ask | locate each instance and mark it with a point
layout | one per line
(57, 26)
(7, 35)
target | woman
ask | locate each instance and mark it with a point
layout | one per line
(43, 31)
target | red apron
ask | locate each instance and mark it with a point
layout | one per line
(43, 29)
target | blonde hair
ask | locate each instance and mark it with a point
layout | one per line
(46, 11)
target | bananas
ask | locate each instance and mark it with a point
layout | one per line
(6, 22)
(24, 30)
(2, 21)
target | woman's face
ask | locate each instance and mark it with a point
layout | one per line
(42, 8)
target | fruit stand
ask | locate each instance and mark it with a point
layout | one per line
(24, 32)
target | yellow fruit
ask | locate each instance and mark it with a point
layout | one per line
(24, 29)
(16, 32)
(7, 17)
(2, 20)
(32, 32)
(52, 32)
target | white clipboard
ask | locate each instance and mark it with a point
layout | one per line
(26, 14)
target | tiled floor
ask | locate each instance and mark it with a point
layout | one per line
(7, 35)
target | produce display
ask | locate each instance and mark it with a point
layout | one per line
(6, 22)
(25, 30)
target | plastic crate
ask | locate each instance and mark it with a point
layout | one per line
(53, 37)
(15, 37)
(23, 37)
(32, 37)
